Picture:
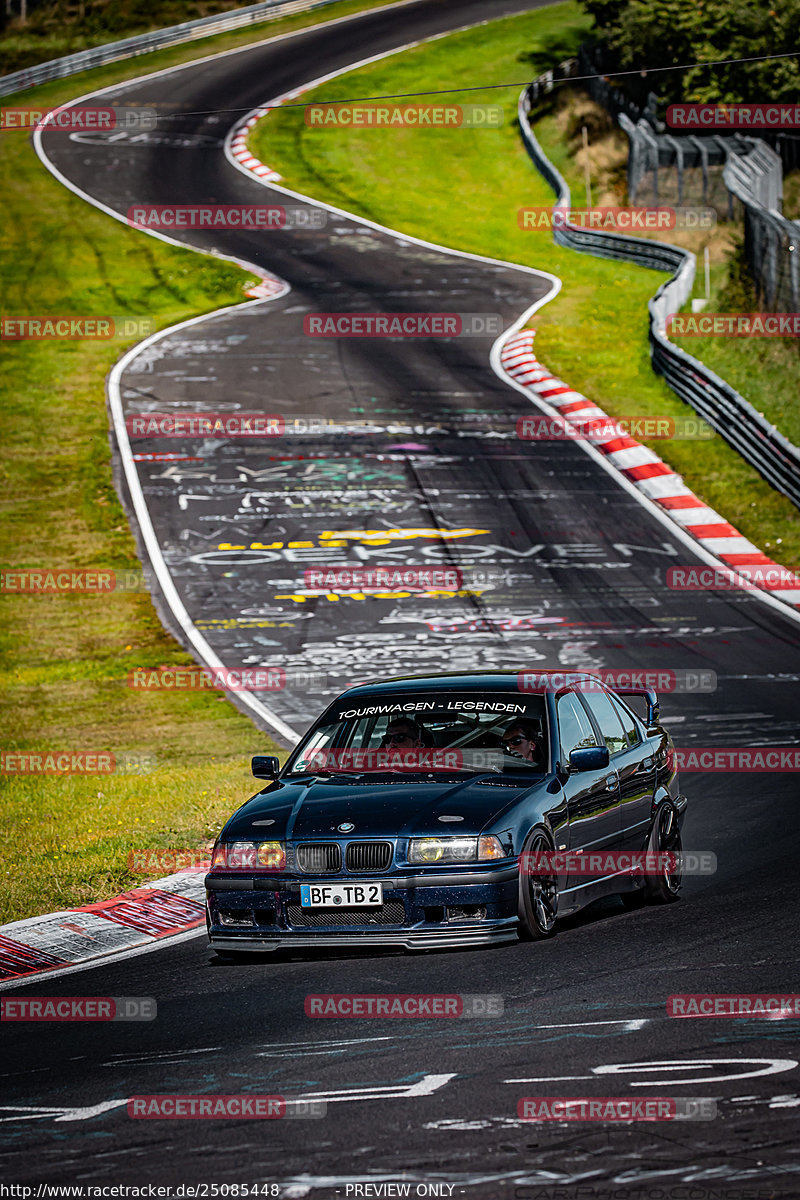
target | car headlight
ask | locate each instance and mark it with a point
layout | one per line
(454, 849)
(249, 856)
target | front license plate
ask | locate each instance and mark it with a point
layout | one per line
(344, 895)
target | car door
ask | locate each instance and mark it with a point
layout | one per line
(636, 766)
(592, 796)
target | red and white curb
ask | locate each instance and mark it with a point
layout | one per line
(646, 472)
(269, 289)
(135, 921)
(241, 153)
(238, 141)
(237, 146)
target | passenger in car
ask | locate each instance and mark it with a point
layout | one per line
(522, 738)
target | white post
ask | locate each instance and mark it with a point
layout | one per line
(586, 168)
(700, 302)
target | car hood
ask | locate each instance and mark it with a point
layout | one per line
(315, 808)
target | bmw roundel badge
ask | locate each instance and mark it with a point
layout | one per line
(345, 827)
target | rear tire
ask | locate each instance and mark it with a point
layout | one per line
(538, 894)
(665, 839)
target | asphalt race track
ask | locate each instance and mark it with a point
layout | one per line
(576, 568)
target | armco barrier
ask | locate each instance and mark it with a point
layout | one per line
(760, 443)
(145, 43)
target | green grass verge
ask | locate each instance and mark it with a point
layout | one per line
(463, 188)
(64, 659)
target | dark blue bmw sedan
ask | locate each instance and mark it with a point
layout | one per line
(451, 810)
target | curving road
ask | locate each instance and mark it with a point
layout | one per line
(576, 569)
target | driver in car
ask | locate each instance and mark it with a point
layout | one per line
(402, 733)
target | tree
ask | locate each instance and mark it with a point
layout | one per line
(638, 34)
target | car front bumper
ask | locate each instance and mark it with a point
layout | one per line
(260, 913)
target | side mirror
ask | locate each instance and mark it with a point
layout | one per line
(589, 758)
(265, 766)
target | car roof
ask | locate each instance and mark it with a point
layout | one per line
(537, 682)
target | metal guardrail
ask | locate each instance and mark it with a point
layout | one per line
(145, 43)
(733, 417)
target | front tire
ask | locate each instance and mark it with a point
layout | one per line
(538, 894)
(665, 839)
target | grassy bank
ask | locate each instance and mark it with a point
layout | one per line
(463, 188)
(64, 659)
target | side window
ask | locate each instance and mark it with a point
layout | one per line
(574, 728)
(628, 723)
(609, 722)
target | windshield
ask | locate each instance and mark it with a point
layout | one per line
(447, 733)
